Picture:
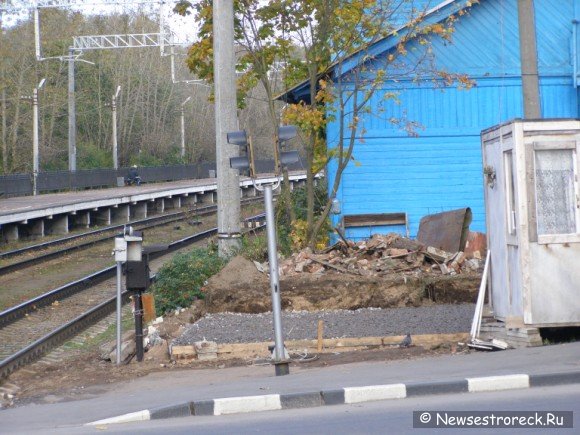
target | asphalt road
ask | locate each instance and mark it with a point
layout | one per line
(56, 414)
(394, 416)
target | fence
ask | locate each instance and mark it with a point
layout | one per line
(55, 181)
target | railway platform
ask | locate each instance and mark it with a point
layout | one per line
(59, 213)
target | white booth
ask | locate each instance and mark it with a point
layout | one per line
(531, 173)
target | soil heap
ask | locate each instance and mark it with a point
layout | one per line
(383, 272)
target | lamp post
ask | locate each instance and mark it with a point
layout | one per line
(183, 127)
(72, 128)
(283, 158)
(114, 109)
(35, 153)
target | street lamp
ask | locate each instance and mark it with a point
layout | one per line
(183, 127)
(35, 124)
(240, 138)
(114, 108)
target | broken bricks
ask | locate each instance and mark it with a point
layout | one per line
(378, 256)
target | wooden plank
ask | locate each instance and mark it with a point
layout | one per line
(320, 333)
(332, 266)
(342, 344)
(374, 219)
(183, 351)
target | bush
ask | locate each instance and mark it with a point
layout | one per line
(293, 236)
(179, 281)
(91, 156)
(254, 247)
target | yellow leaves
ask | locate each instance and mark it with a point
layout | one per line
(463, 81)
(401, 49)
(308, 118)
(438, 29)
(298, 236)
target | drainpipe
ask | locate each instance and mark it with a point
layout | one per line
(529, 60)
(576, 52)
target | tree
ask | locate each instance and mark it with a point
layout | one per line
(148, 106)
(328, 45)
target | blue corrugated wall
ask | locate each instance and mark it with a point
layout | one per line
(441, 169)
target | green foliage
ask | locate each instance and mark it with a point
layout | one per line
(146, 107)
(91, 156)
(54, 165)
(292, 235)
(284, 239)
(297, 237)
(171, 157)
(179, 282)
(254, 247)
(299, 200)
(145, 159)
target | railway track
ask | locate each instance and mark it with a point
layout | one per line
(94, 237)
(31, 329)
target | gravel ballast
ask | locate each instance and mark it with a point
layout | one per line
(300, 325)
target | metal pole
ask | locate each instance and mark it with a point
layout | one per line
(529, 60)
(115, 154)
(182, 132)
(119, 307)
(281, 364)
(138, 325)
(37, 31)
(72, 131)
(228, 201)
(35, 156)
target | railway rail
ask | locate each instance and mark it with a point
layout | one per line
(26, 338)
(107, 233)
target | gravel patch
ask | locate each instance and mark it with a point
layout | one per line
(300, 325)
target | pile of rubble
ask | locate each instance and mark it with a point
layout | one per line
(382, 255)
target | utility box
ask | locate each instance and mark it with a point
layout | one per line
(138, 275)
(533, 222)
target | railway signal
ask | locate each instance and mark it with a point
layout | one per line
(282, 159)
(285, 158)
(245, 162)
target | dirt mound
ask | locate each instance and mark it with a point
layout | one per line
(238, 287)
(241, 288)
(238, 272)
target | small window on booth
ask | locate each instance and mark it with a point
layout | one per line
(555, 178)
(510, 192)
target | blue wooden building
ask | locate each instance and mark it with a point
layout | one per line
(441, 169)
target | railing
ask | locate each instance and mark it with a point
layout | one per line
(56, 181)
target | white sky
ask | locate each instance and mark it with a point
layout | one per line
(182, 27)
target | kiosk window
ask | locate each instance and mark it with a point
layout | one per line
(555, 191)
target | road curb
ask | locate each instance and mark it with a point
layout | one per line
(347, 395)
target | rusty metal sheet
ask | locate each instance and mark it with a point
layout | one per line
(447, 231)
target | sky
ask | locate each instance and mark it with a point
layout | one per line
(182, 27)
